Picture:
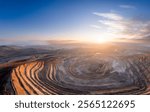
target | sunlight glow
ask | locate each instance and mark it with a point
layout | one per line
(104, 37)
(102, 40)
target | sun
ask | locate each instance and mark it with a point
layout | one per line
(102, 40)
(99, 37)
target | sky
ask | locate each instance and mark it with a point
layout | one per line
(91, 20)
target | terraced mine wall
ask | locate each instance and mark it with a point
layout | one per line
(78, 75)
(70, 72)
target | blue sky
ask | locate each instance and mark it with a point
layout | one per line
(74, 19)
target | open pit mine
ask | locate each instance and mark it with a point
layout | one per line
(78, 70)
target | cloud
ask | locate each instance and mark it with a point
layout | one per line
(121, 27)
(137, 28)
(95, 26)
(108, 15)
(127, 6)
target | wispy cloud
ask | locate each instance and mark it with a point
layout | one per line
(95, 26)
(127, 6)
(121, 27)
(108, 15)
(137, 28)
